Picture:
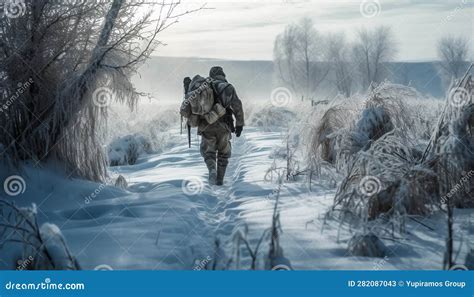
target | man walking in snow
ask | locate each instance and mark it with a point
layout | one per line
(215, 138)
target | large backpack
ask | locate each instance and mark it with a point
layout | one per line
(200, 102)
(200, 95)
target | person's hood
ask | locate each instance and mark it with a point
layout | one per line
(217, 73)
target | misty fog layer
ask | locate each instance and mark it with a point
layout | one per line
(162, 77)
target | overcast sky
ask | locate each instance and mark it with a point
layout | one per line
(246, 30)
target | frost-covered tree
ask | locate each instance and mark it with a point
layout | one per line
(371, 49)
(341, 65)
(453, 52)
(61, 63)
(299, 55)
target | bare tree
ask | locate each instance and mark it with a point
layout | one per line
(76, 61)
(371, 49)
(299, 56)
(284, 53)
(340, 62)
(453, 52)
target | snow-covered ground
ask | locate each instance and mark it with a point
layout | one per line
(168, 218)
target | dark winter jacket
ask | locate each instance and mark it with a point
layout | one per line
(226, 95)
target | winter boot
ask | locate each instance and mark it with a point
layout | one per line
(220, 175)
(212, 177)
(211, 166)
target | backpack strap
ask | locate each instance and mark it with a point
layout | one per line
(219, 94)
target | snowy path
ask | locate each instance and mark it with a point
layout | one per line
(158, 226)
(155, 225)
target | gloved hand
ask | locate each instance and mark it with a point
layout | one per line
(238, 130)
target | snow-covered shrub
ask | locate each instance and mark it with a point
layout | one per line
(324, 124)
(380, 154)
(373, 124)
(126, 150)
(55, 246)
(23, 241)
(366, 245)
(392, 173)
(158, 124)
(269, 117)
(452, 145)
(121, 182)
(384, 184)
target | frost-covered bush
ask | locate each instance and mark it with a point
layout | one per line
(391, 171)
(158, 124)
(25, 245)
(126, 150)
(366, 245)
(372, 146)
(452, 145)
(386, 183)
(121, 182)
(269, 117)
(324, 124)
(80, 58)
